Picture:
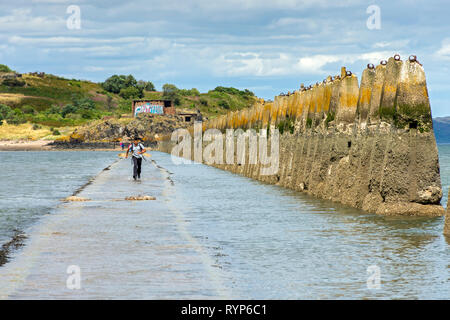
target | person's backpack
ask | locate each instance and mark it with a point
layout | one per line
(139, 146)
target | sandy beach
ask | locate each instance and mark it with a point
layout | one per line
(43, 145)
(25, 145)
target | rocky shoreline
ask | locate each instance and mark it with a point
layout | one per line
(46, 145)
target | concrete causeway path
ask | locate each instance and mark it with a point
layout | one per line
(123, 249)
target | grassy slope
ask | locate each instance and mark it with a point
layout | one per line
(208, 103)
(42, 93)
(26, 132)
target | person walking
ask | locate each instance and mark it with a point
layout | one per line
(137, 150)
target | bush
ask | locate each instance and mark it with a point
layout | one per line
(36, 126)
(192, 92)
(13, 82)
(17, 119)
(28, 109)
(68, 109)
(73, 116)
(75, 83)
(131, 93)
(171, 92)
(234, 91)
(15, 116)
(5, 112)
(83, 103)
(224, 104)
(116, 83)
(54, 109)
(5, 68)
(145, 85)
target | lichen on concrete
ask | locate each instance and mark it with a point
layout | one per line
(371, 146)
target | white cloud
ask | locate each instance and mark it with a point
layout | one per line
(283, 64)
(21, 20)
(444, 51)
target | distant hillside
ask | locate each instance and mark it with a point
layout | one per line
(441, 128)
(49, 100)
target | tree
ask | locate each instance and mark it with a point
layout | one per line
(5, 112)
(83, 102)
(146, 85)
(68, 108)
(5, 68)
(130, 93)
(109, 102)
(171, 92)
(17, 117)
(130, 81)
(116, 83)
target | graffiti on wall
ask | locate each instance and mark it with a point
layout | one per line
(149, 108)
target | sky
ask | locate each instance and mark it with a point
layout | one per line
(265, 46)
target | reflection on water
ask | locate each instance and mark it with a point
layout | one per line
(31, 183)
(270, 242)
(213, 234)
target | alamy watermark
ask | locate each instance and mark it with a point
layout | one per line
(73, 22)
(374, 279)
(234, 143)
(73, 281)
(374, 20)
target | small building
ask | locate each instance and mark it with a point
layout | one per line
(153, 107)
(188, 116)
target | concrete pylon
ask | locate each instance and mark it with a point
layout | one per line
(365, 93)
(348, 99)
(413, 104)
(377, 91)
(388, 106)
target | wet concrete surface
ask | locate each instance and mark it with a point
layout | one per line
(124, 249)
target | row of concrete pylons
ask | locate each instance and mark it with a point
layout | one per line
(394, 92)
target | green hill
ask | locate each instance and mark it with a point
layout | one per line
(49, 100)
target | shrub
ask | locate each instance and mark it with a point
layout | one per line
(5, 68)
(286, 126)
(171, 92)
(83, 103)
(75, 83)
(15, 116)
(27, 109)
(145, 85)
(130, 93)
(116, 83)
(54, 109)
(68, 108)
(234, 91)
(5, 112)
(36, 126)
(17, 119)
(186, 92)
(13, 82)
(224, 104)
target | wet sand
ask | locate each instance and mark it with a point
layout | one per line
(44, 145)
(21, 145)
